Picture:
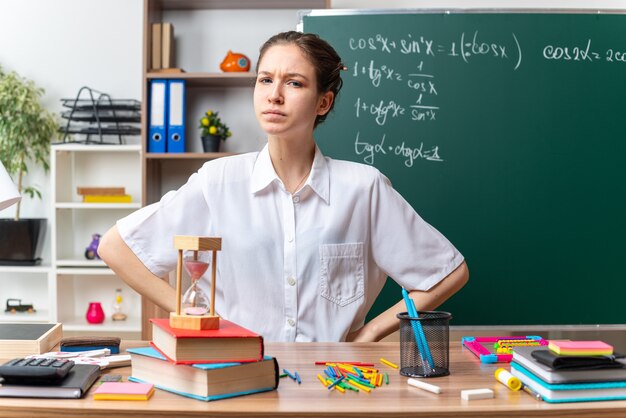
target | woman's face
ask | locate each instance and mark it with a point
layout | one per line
(286, 101)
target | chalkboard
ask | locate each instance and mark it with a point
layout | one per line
(505, 131)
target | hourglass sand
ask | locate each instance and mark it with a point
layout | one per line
(195, 301)
(194, 315)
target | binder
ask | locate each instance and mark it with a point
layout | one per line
(157, 133)
(176, 116)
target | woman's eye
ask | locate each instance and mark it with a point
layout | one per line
(264, 80)
(295, 83)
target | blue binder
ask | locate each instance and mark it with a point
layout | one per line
(157, 132)
(176, 116)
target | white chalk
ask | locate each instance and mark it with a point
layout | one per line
(423, 385)
(473, 394)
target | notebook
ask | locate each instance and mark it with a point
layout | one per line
(580, 348)
(523, 356)
(570, 392)
(75, 385)
(123, 391)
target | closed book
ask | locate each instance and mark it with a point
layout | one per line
(524, 357)
(207, 382)
(231, 342)
(156, 49)
(74, 385)
(123, 391)
(167, 45)
(570, 392)
(22, 339)
(92, 198)
(580, 348)
(101, 190)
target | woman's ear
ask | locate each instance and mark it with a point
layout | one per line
(325, 103)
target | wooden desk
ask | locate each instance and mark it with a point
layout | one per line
(311, 399)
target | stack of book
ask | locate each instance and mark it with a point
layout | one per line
(571, 371)
(162, 50)
(207, 364)
(104, 194)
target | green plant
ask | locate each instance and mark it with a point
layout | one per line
(26, 130)
(211, 124)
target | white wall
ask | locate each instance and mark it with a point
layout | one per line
(63, 45)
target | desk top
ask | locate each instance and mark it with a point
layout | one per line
(311, 399)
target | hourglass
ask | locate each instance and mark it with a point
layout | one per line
(194, 310)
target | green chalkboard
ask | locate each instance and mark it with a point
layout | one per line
(507, 132)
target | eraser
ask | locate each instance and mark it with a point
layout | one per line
(473, 394)
(424, 385)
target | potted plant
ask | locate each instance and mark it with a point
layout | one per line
(26, 130)
(214, 131)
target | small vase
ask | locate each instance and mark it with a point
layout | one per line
(211, 143)
(95, 314)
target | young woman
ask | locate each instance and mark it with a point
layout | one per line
(307, 241)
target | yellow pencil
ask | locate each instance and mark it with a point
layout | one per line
(319, 376)
(388, 363)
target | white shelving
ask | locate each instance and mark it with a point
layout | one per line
(31, 284)
(75, 280)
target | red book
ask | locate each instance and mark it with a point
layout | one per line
(229, 343)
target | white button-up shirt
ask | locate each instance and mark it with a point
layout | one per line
(301, 267)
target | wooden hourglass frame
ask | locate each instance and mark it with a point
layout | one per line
(195, 244)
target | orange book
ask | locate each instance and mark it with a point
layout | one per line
(116, 191)
(229, 343)
(123, 391)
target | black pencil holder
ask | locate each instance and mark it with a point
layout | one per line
(425, 344)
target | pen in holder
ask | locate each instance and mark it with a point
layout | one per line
(424, 344)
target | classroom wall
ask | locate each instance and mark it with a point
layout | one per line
(63, 45)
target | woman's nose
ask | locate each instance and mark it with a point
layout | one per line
(275, 95)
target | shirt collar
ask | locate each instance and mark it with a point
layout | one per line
(263, 174)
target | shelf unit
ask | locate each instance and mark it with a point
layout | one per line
(75, 280)
(214, 25)
(33, 285)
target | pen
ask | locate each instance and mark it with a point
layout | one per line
(531, 392)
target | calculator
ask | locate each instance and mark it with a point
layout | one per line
(35, 370)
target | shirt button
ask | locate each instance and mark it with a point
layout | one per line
(291, 322)
(290, 238)
(296, 199)
(291, 281)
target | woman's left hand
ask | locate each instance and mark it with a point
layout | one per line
(360, 336)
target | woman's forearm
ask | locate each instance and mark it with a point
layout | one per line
(121, 259)
(387, 322)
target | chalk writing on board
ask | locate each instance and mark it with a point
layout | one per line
(467, 47)
(581, 53)
(368, 151)
(382, 110)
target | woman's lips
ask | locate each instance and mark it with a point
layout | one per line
(273, 115)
